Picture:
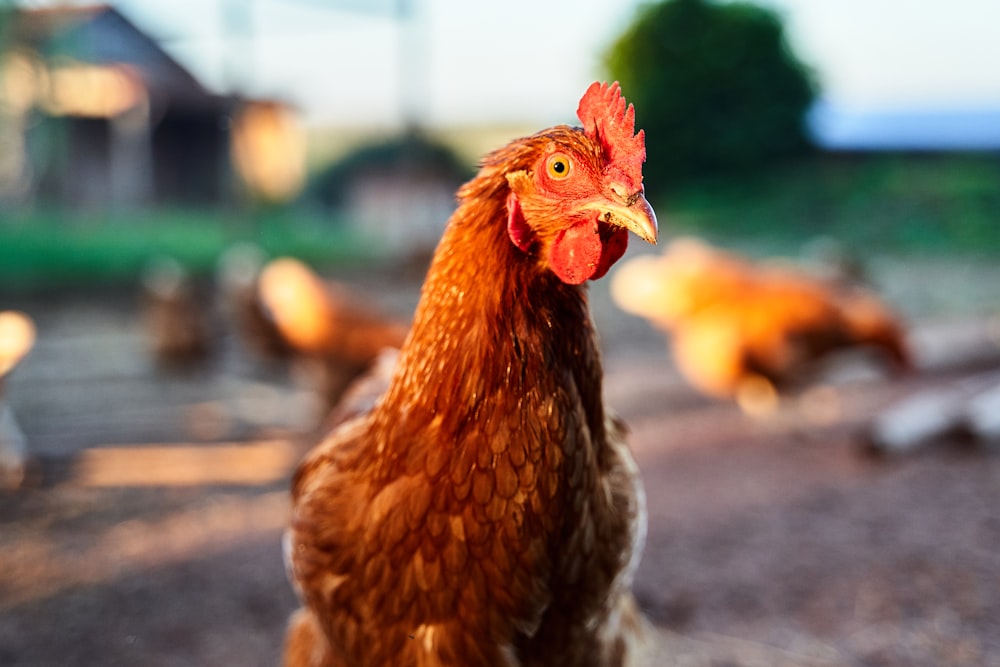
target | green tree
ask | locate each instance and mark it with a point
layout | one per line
(715, 86)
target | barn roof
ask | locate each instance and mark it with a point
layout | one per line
(101, 35)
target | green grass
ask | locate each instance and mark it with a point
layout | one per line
(873, 204)
(53, 249)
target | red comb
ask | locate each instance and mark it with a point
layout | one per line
(607, 118)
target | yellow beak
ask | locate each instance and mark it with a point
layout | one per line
(635, 214)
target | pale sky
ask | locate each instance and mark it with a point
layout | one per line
(899, 53)
(528, 61)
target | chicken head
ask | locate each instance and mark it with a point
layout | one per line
(579, 194)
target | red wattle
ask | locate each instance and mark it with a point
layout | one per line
(576, 253)
(615, 245)
(586, 251)
(580, 253)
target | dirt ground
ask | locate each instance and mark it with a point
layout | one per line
(775, 541)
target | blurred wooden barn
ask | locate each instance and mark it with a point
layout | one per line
(96, 115)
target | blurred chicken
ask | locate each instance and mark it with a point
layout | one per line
(323, 318)
(740, 328)
(325, 323)
(177, 319)
(237, 274)
(17, 337)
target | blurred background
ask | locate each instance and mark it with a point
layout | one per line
(215, 214)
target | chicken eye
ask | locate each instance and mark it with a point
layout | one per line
(558, 166)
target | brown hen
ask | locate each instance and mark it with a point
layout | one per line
(487, 511)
